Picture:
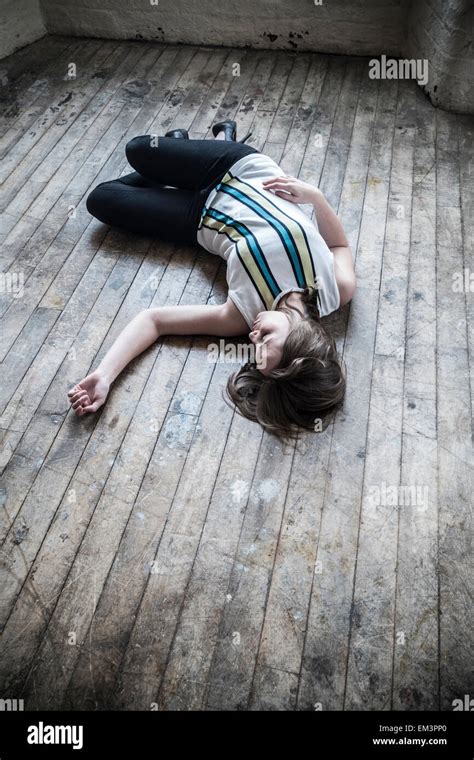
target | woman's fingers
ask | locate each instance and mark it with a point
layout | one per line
(92, 407)
(83, 401)
(80, 401)
(271, 181)
(280, 191)
(286, 190)
(77, 396)
(274, 180)
(74, 390)
(286, 196)
(289, 190)
(83, 408)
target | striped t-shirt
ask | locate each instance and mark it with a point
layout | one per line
(270, 245)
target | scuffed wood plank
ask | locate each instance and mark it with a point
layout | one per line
(70, 150)
(332, 176)
(288, 603)
(305, 116)
(466, 188)
(37, 255)
(155, 623)
(17, 166)
(455, 459)
(369, 676)
(231, 673)
(252, 97)
(24, 350)
(28, 71)
(323, 117)
(27, 105)
(73, 476)
(74, 608)
(231, 80)
(184, 684)
(323, 673)
(285, 113)
(416, 661)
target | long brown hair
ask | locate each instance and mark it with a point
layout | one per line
(308, 383)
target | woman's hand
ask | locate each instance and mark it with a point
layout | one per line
(89, 394)
(291, 188)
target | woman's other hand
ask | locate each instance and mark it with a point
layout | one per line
(89, 394)
(291, 188)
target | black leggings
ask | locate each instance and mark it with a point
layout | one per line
(165, 195)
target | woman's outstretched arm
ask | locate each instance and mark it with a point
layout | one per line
(220, 320)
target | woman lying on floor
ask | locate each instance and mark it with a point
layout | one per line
(284, 272)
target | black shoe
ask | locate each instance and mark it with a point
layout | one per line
(182, 134)
(229, 128)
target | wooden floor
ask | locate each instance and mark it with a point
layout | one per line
(165, 554)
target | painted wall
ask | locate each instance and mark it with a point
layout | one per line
(21, 22)
(357, 27)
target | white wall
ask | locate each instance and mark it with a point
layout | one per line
(21, 23)
(356, 27)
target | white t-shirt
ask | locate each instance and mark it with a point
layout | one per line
(270, 245)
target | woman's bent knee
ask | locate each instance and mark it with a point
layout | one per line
(134, 146)
(98, 200)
